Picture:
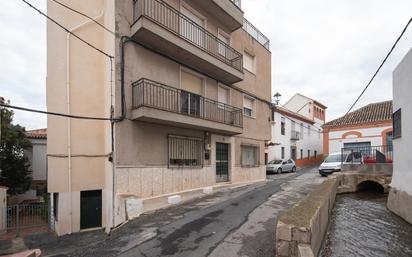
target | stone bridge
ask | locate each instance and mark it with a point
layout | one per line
(357, 177)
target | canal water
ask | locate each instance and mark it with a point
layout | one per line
(361, 226)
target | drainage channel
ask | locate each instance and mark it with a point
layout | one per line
(361, 225)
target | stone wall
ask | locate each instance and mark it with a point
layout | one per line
(150, 182)
(301, 229)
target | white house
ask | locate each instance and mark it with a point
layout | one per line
(368, 126)
(400, 195)
(296, 131)
(37, 156)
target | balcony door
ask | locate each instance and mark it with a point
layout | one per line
(191, 27)
(190, 97)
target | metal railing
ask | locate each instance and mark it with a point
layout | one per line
(238, 3)
(256, 34)
(367, 154)
(185, 28)
(156, 95)
(21, 216)
(294, 135)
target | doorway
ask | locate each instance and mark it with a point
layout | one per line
(222, 162)
(90, 209)
(293, 153)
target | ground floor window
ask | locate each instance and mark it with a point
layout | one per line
(185, 151)
(282, 152)
(249, 155)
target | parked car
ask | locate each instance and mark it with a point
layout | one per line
(334, 161)
(279, 166)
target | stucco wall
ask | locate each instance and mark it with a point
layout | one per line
(402, 79)
(400, 196)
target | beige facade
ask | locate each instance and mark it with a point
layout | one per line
(193, 112)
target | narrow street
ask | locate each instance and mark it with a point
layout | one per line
(234, 222)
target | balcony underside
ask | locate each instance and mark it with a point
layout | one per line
(149, 114)
(156, 37)
(225, 11)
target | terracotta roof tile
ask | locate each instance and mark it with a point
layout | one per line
(381, 111)
(37, 134)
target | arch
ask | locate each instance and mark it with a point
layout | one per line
(384, 135)
(352, 133)
(370, 185)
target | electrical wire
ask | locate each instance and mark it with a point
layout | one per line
(54, 113)
(84, 15)
(380, 66)
(67, 30)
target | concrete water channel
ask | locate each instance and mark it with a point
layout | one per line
(361, 225)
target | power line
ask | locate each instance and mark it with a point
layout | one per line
(55, 113)
(84, 15)
(380, 66)
(67, 30)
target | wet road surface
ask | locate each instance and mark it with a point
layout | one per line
(361, 225)
(234, 222)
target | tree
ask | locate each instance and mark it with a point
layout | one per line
(14, 165)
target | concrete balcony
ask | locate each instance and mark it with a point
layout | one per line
(163, 29)
(227, 12)
(162, 104)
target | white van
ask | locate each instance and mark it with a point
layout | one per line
(334, 162)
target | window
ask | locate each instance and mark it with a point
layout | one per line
(190, 98)
(397, 124)
(308, 154)
(223, 95)
(248, 106)
(308, 130)
(185, 151)
(282, 152)
(249, 62)
(282, 126)
(186, 25)
(319, 132)
(301, 130)
(316, 154)
(249, 155)
(301, 154)
(225, 39)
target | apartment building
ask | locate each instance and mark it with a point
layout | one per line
(368, 126)
(400, 195)
(296, 132)
(190, 91)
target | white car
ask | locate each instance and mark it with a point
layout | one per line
(279, 166)
(334, 161)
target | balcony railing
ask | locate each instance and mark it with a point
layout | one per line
(256, 34)
(238, 3)
(367, 154)
(185, 28)
(147, 93)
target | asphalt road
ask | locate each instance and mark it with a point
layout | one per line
(234, 222)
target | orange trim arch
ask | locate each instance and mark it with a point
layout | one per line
(352, 133)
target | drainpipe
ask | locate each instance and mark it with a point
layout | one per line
(69, 155)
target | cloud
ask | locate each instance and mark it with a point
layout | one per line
(23, 60)
(327, 50)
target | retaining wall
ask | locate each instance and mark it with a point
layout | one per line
(301, 229)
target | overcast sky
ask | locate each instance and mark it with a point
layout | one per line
(325, 49)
